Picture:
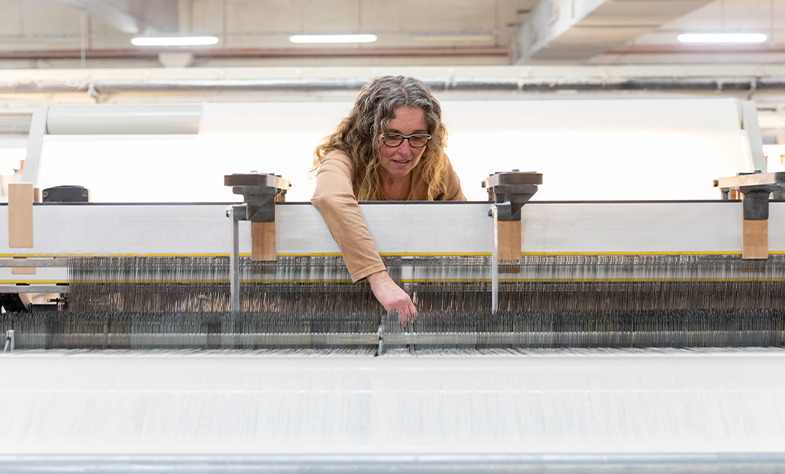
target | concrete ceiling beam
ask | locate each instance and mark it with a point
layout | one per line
(571, 30)
(114, 13)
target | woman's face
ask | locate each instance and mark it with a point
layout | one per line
(400, 160)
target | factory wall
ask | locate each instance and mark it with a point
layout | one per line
(586, 149)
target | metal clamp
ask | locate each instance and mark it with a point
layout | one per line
(260, 192)
(756, 188)
(510, 190)
(235, 213)
(9, 341)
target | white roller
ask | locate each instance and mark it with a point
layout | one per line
(706, 227)
(607, 406)
(123, 119)
(586, 149)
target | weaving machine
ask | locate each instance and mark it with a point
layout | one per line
(552, 336)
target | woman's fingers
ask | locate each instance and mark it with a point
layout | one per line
(392, 297)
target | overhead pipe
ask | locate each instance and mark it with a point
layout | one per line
(118, 119)
(445, 85)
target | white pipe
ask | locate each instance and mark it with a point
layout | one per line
(123, 119)
(401, 463)
(235, 213)
(494, 212)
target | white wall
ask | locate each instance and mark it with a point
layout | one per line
(586, 149)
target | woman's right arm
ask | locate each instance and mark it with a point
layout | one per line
(334, 199)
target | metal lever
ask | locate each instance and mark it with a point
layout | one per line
(236, 213)
(9, 341)
(261, 192)
(755, 189)
(494, 213)
(509, 191)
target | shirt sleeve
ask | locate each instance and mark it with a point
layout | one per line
(334, 199)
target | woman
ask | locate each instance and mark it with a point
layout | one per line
(390, 147)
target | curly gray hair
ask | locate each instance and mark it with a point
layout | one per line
(358, 134)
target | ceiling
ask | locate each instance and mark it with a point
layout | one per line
(76, 51)
(96, 33)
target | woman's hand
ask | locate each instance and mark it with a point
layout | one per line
(392, 296)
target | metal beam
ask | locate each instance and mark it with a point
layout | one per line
(579, 29)
(111, 12)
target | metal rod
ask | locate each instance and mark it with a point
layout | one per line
(401, 463)
(517, 84)
(495, 261)
(235, 214)
(43, 288)
(9, 341)
(174, 340)
(48, 262)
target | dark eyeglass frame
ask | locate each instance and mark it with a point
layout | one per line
(398, 139)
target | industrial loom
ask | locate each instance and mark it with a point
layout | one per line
(583, 336)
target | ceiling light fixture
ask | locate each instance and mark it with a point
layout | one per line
(174, 40)
(323, 39)
(722, 38)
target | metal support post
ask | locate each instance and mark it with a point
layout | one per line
(508, 191)
(9, 341)
(236, 213)
(494, 213)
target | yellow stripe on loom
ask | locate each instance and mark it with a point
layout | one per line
(589, 280)
(455, 280)
(412, 280)
(627, 253)
(390, 254)
(22, 284)
(403, 254)
(329, 254)
(484, 254)
(436, 254)
(31, 255)
(83, 255)
(187, 281)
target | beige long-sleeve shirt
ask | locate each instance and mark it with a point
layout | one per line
(334, 198)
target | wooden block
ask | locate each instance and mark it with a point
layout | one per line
(755, 240)
(262, 241)
(20, 215)
(509, 240)
(22, 270)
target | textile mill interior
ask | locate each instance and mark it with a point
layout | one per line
(609, 298)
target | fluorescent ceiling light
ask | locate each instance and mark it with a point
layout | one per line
(174, 40)
(332, 38)
(721, 38)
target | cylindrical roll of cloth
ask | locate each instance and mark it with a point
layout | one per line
(653, 408)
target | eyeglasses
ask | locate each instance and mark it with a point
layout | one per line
(417, 140)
